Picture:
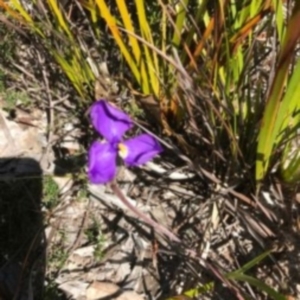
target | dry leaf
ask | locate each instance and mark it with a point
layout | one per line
(130, 295)
(100, 290)
(75, 288)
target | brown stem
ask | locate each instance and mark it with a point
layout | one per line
(157, 227)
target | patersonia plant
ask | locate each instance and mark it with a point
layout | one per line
(112, 123)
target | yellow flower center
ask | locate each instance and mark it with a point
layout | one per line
(123, 150)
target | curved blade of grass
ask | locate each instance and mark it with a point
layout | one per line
(246, 267)
(272, 120)
(151, 59)
(111, 23)
(290, 167)
(135, 45)
(279, 19)
(261, 286)
(180, 20)
(60, 18)
(128, 25)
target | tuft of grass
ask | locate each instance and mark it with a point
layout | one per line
(50, 193)
(96, 237)
(7, 44)
(59, 254)
(12, 98)
(58, 258)
(99, 249)
(52, 292)
(82, 193)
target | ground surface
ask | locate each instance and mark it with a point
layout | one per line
(85, 244)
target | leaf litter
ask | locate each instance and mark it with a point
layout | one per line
(131, 260)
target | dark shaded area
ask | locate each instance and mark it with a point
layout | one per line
(22, 240)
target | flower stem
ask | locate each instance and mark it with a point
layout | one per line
(157, 227)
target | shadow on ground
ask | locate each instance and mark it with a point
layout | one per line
(22, 240)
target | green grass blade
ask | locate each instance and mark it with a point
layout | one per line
(57, 12)
(279, 17)
(112, 24)
(128, 25)
(261, 286)
(181, 12)
(290, 106)
(151, 60)
(249, 264)
(272, 120)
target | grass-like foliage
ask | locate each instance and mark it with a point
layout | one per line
(220, 77)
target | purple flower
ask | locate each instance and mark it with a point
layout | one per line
(112, 124)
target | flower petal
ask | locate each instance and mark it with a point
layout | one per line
(102, 162)
(109, 121)
(140, 149)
